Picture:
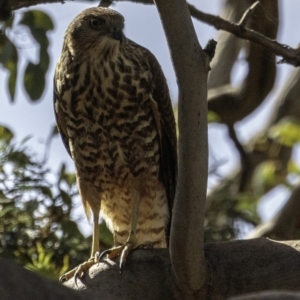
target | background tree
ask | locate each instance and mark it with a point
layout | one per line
(266, 161)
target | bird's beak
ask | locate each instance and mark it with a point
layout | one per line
(117, 34)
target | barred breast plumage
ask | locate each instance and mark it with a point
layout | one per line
(115, 117)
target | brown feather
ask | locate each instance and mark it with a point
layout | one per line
(115, 117)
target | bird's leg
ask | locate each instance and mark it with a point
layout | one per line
(131, 242)
(95, 243)
(82, 268)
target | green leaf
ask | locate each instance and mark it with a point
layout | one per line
(6, 134)
(34, 81)
(37, 19)
(286, 131)
(212, 117)
(46, 191)
(9, 22)
(70, 228)
(19, 158)
(38, 23)
(267, 175)
(69, 178)
(5, 210)
(31, 205)
(9, 60)
(293, 167)
(65, 197)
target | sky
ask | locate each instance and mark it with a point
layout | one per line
(142, 25)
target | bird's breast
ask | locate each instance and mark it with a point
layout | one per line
(110, 122)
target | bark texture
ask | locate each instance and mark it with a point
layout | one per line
(234, 268)
(191, 66)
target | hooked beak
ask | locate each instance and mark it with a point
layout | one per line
(117, 34)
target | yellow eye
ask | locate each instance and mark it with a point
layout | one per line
(96, 23)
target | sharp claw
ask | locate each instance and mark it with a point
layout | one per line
(62, 278)
(78, 272)
(75, 278)
(124, 254)
(121, 265)
(103, 253)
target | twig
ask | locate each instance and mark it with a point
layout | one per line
(290, 55)
(105, 3)
(248, 13)
(245, 159)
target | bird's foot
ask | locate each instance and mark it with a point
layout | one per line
(79, 271)
(123, 251)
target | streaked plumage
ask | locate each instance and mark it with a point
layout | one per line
(115, 117)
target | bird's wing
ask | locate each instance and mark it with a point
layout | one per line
(59, 114)
(164, 116)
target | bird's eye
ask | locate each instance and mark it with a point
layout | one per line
(96, 23)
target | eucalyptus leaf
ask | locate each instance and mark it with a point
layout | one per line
(34, 81)
(6, 134)
(38, 23)
(37, 19)
(9, 60)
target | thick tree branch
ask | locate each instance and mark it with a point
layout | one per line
(18, 283)
(228, 47)
(191, 66)
(269, 295)
(235, 268)
(234, 104)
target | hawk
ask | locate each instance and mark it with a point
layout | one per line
(115, 117)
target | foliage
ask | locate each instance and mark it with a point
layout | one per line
(228, 216)
(38, 24)
(286, 131)
(35, 207)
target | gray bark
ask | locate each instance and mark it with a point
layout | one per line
(191, 68)
(234, 268)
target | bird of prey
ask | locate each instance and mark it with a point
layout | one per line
(115, 117)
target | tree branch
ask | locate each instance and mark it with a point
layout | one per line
(245, 160)
(264, 149)
(269, 295)
(235, 267)
(17, 4)
(290, 55)
(228, 47)
(285, 223)
(234, 104)
(191, 66)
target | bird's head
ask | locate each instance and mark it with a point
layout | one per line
(96, 28)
